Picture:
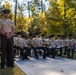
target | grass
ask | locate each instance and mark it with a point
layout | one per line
(11, 71)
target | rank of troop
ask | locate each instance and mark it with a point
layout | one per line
(40, 46)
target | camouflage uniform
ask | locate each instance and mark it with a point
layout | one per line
(38, 45)
(59, 46)
(7, 29)
(71, 44)
(52, 45)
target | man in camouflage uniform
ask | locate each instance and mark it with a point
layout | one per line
(52, 45)
(71, 44)
(38, 44)
(21, 44)
(64, 44)
(59, 44)
(7, 29)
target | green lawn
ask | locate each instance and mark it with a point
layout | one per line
(11, 71)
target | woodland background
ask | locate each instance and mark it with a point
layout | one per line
(59, 18)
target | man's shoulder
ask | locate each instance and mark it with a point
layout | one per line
(11, 20)
(1, 20)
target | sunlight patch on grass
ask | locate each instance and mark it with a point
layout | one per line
(11, 71)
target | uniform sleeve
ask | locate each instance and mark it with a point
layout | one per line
(74, 41)
(0, 24)
(17, 42)
(13, 26)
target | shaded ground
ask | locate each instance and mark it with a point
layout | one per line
(49, 66)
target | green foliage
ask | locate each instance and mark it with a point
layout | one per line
(60, 18)
(35, 25)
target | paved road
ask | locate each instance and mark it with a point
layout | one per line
(58, 66)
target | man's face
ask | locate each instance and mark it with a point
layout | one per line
(6, 15)
(19, 36)
(36, 36)
(71, 37)
(31, 37)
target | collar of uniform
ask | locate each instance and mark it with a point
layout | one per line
(6, 20)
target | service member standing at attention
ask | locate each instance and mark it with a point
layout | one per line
(7, 29)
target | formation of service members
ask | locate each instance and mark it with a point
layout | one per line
(46, 47)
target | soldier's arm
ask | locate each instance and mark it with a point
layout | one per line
(49, 42)
(10, 35)
(1, 32)
(13, 30)
(17, 42)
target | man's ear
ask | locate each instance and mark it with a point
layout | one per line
(2, 13)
